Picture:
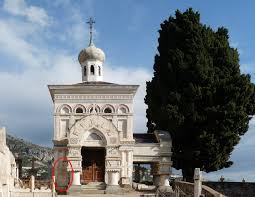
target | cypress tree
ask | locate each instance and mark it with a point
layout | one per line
(198, 93)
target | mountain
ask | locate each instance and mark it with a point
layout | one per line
(27, 150)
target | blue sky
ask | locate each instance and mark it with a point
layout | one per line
(40, 41)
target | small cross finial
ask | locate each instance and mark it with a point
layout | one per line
(91, 22)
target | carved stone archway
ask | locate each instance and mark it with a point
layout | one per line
(81, 127)
(82, 134)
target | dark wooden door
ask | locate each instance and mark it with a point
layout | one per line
(93, 165)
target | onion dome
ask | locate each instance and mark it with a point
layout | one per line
(91, 53)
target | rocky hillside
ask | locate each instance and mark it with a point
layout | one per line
(28, 150)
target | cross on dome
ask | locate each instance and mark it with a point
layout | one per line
(90, 22)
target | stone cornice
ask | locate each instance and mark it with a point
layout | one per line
(92, 89)
(92, 96)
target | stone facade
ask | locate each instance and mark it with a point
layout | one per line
(99, 115)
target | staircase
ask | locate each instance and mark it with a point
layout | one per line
(90, 188)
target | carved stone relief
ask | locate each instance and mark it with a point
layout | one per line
(113, 163)
(74, 140)
(112, 151)
(74, 152)
(97, 122)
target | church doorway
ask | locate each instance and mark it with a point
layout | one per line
(93, 165)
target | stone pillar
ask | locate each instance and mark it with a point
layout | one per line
(57, 127)
(161, 172)
(113, 178)
(76, 178)
(129, 127)
(32, 180)
(113, 182)
(130, 165)
(197, 182)
(123, 164)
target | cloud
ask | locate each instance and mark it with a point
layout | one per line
(26, 106)
(50, 57)
(17, 47)
(33, 14)
(137, 76)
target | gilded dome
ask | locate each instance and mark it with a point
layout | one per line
(91, 52)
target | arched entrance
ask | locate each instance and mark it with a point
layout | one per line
(93, 164)
(93, 149)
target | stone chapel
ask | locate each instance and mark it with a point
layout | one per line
(93, 128)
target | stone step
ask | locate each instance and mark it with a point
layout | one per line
(101, 187)
(96, 185)
(87, 191)
(91, 188)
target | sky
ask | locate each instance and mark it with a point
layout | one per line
(40, 42)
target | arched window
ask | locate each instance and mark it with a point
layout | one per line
(122, 110)
(92, 70)
(79, 110)
(99, 70)
(64, 110)
(85, 71)
(107, 110)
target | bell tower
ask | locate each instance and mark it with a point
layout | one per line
(91, 59)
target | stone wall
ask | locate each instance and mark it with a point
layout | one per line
(188, 189)
(233, 189)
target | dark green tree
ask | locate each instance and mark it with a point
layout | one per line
(198, 94)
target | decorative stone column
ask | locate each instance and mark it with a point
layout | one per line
(74, 155)
(113, 182)
(163, 167)
(112, 169)
(161, 172)
(113, 177)
(76, 178)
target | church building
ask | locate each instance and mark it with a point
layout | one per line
(93, 129)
